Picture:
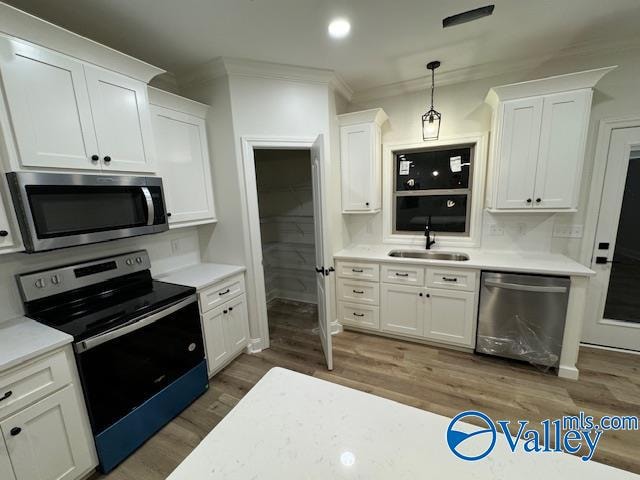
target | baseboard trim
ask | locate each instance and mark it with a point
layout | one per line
(408, 338)
(336, 327)
(570, 373)
(254, 346)
(609, 349)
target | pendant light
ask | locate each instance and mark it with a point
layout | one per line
(431, 119)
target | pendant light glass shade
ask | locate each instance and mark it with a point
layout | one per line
(431, 119)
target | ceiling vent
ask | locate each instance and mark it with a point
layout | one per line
(469, 16)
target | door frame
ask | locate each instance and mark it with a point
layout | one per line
(249, 143)
(603, 143)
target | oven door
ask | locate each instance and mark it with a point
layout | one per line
(63, 210)
(123, 368)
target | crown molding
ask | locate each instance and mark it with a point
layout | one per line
(373, 115)
(24, 26)
(238, 67)
(172, 101)
(491, 69)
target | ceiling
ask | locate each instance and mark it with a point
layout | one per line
(390, 41)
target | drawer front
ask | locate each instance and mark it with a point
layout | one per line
(403, 274)
(358, 291)
(361, 271)
(452, 279)
(25, 385)
(363, 316)
(219, 293)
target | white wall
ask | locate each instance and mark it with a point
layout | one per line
(164, 258)
(464, 111)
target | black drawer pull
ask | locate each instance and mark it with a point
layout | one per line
(449, 279)
(225, 311)
(3, 233)
(355, 270)
(6, 395)
(225, 292)
(358, 291)
(402, 274)
(230, 309)
(15, 431)
(358, 314)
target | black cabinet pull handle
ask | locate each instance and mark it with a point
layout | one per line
(6, 395)
(538, 200)
(402, 274)
(15, 431)
(358, 291)
(107, 159)
(420, 294)
(225, 292)
(3, 233)
(168, 214)
(357, 270)
(367, 204)
(449, 279)
(528, 200)
(230, 309)
(358, 314)
(224, 311)
(95, 158)
(428, 295)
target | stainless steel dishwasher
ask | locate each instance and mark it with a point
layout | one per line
(522, 317)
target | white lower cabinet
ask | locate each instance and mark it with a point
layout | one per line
(44, 432)
(427, 303)
(225, 321)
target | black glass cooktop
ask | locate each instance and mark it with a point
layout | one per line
(89, 311)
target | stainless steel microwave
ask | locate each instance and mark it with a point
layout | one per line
(63, 210)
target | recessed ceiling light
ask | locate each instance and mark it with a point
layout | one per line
(339, 28)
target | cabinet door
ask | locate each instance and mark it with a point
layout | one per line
(565, 118)
(236, 324)
(47, 441)
(48, 103)
(357, 163)
(6, 470)
(402, 309)
(122, 120)
(183, 163)
(213, 323)
(450, 317)
(518, 152)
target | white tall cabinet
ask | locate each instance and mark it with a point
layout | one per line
(361, 160)
(183, 158)
(539, 133)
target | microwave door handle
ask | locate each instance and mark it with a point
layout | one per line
(525, 288)
(96, 340)
(151, 209)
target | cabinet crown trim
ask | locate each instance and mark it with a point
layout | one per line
(548, 85)
(376, 115)
(162, 98)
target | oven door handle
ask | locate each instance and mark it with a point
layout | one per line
(151, 209)
(134, 325)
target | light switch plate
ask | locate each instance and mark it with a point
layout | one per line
(567, 231)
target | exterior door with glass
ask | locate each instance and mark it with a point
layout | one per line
(615, 290)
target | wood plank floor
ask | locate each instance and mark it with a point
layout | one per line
(434, 379)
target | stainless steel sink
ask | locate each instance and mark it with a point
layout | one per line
(430, 255)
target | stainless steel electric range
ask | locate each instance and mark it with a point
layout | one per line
(137, 341)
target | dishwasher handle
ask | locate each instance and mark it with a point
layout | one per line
(525, 288)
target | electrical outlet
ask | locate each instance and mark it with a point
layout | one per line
(496, 230)
(567, 231)
(175, 246)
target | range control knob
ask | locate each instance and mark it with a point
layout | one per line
(129, 261)
(138, 259)
(40, 283)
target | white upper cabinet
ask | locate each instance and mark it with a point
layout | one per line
(183, 158)
(67, 114)
(539, 134)
(121, 117)
(361, 160)
(48, 104)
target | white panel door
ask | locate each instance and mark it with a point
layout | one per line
(6, 470)
(47, 99)
(236, 324)
(402, 309)
(122, 120)
(449, 317)
(213, 323)
(323, 254)
(356, 159)
(519, 143)
(562, 140)
(46, 441)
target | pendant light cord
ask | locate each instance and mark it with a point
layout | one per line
(433, 77)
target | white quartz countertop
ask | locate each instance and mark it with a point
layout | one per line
(293, 426)
(22, 339)
(201, 275)
(504, 261)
